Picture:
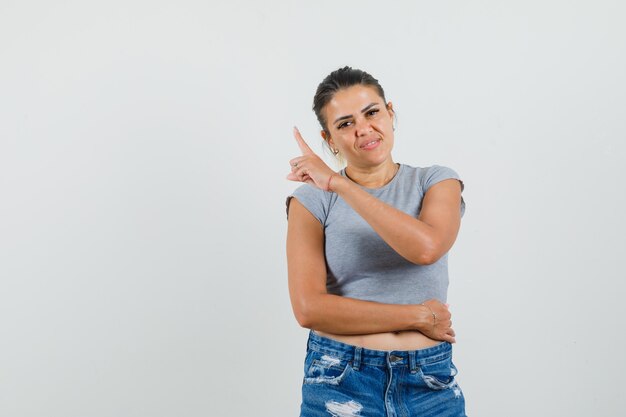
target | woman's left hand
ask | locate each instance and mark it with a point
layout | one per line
(309, 167)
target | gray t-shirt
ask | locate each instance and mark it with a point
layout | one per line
(359, 263)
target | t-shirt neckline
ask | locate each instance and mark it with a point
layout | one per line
(384, 187)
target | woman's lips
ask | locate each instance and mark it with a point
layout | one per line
(371, 145)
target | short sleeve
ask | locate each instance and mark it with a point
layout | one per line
(436, 173)
(313, 199)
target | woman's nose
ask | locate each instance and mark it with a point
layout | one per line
(363, 127)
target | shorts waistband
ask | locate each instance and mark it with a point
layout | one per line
(359, 355)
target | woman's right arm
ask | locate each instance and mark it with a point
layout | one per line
(315, 309)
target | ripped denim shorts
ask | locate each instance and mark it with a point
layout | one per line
(345, 380)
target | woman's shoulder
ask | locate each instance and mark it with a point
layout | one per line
(427, 176)
(429, 170)
(425, 169)
(313, 199)
(310, 192)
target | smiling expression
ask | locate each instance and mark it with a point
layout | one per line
(360, 125)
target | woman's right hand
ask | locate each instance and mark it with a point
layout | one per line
(435, 319)
(309, 167)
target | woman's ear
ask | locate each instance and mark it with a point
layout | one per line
(327, 138)
(392, 114)
(329, 141)
(390, 109)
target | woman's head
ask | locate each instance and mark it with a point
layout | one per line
(351, 108)
(337, 80)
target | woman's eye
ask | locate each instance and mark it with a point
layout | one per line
(372, 112)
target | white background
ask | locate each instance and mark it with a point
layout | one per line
(143, 152)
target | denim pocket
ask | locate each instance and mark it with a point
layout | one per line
(322, 368)
(440, 374)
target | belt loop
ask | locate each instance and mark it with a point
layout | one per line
(412, 363)
(356, 363)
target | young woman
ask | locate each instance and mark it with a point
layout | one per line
(367, 262)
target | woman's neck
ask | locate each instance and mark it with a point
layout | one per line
(373, 177)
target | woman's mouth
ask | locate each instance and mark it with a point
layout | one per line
(371, 144)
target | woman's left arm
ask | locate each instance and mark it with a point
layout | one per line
(421, 240)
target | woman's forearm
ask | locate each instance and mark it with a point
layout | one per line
(413, 239)
(342, 315)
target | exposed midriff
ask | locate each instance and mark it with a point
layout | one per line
(404, 340)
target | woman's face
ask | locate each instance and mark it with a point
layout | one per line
(360, 126)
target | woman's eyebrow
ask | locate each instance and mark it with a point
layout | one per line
(366, 108)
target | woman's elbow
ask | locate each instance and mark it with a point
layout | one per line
(424, 259)
(303, 319)
(428, 255)
(304, 311)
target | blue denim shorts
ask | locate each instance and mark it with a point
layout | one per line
(345, 380)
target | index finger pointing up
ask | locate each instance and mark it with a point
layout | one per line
(301, 143)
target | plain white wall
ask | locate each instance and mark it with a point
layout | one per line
(143, 150)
